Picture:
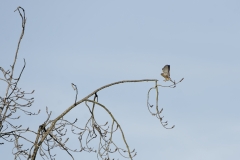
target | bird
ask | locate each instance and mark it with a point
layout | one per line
(166, 72)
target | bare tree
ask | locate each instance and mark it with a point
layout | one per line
(53, 133)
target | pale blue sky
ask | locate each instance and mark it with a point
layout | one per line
(93, 43)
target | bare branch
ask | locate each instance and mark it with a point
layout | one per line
(53, 133)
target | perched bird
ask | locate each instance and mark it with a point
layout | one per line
(166, 72)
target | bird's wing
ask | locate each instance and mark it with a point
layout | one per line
(166, 70)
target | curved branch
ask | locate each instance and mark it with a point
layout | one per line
(77, 103)
(124, 139)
